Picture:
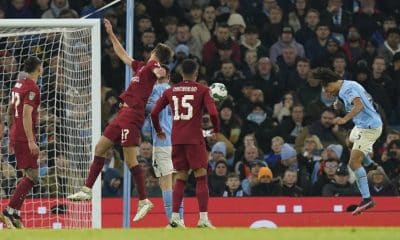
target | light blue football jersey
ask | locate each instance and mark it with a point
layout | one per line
(165, 116)
(368, 117)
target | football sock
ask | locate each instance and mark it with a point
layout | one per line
(362, 182)
(94, 171)
(202, 193)
(23, 188)
(203, 216)
(181, 210)
(367, 160)
(167, 198)
(137, 173)
(177, 195)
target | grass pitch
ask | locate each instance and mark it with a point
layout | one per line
(207, 234)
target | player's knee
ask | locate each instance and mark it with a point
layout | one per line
(200, 172)
(356, 159)
(32, 174)
(183, 176)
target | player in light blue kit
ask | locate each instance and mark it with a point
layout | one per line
(162, 149)
(368, 126)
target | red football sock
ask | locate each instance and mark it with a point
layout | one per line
(137, 173)
(202, 193)
(95, 170)
(177, 195)
(23, 188)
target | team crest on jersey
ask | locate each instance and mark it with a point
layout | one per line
(31, 95)
(135, 79)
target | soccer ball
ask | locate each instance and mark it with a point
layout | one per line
(218, 91)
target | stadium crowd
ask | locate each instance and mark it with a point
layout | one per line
(277, 134)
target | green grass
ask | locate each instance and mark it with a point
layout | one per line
(207, 234)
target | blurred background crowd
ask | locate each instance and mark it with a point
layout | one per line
(277, 134)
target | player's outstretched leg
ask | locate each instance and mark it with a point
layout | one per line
(202, 195)
(356, 159)
(144, 205)
(85, 194)
(11, 214)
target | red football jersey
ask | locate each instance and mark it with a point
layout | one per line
(25, 91)
(187, 99)
(141, 85)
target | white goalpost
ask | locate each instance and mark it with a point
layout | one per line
(69, 122)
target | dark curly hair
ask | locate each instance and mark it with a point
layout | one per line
(325, 75)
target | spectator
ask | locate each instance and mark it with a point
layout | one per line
(94, 6)
(339, 66)
(247, 141)
(55, 9)
(272, 30)
(230, 122)
(274, 157)
(286, 39)
(354, 46)
(282, 109)
(297, 16)
(113, 69)
(112, 184)
(316, 47)
(268, 80)
(325, 129)
(232, 78)
(369, 53)
(218, 153)
(70, 13)
(170, 25)
(147, 42)
(146, 151)
(221, 38)
(113, 160)
(299, 78)
(340, 186)
(289, 187)
(390, 160)
(380, 185)
(152, 187)
(308, 30)
(39, 7)
(143, 23)
(309, 91)
(252, 179)
(251, 41)
(266, 186)
(391, 135)
(367, 19)
(236, 26)
(264, 15)
(287, 62)
(249, 65)
(332, 49)
(329, 167)
(217, 179)
(242, 166)
(203, 31)
(183, 36)
(337, 17)
(196, 13)
(391, 45)
(18, 9)
(160, 9)
(379, 36)
(233, 187)
(310, 155)
(291, 126)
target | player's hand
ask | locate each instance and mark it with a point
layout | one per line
(337, 105)
(33, 147)
(161, 135)
(213, 136)
(160, 72)
(339, 121)
(108, 26)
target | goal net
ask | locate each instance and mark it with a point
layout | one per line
(69, 117)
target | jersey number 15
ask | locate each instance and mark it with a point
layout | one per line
(184, 103)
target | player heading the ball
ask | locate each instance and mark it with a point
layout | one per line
(125, 128)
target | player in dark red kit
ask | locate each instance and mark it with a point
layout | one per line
(125, 128)
(188, 100)
(22, 117)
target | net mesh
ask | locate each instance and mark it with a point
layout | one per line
(64, 131)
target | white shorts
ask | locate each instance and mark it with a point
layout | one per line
(162, 161)
(363, 139)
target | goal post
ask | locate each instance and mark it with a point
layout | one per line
(69, 117)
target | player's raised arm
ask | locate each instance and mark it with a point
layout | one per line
(160, 105)
(27, 122)
(118, 48)
(212, 110)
